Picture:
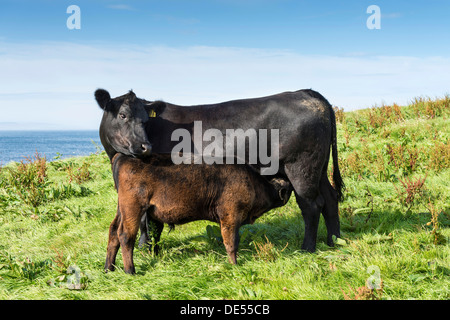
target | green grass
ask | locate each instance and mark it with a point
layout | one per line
(54, 220)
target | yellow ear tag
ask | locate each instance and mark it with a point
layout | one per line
(152, 113)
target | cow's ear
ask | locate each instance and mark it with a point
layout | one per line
(102, 96)
(154, 108)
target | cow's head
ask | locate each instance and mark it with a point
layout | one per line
(123, 124)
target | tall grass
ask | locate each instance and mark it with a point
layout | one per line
(28, 179)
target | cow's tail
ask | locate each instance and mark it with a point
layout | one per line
(339, 185)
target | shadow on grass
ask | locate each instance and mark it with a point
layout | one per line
(282, 233)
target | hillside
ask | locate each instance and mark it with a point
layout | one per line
(395, 161)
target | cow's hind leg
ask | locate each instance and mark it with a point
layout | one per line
(305, 181)
(330, 209)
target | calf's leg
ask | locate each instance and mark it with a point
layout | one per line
(230, 234)
(127, 232)
(113, 243)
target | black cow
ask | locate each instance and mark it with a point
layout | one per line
(307, 132)
(122, 127)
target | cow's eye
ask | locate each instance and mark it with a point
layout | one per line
(122, 116)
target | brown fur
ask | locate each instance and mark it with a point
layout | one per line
(231, 195)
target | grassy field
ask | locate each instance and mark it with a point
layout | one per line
(54, 220)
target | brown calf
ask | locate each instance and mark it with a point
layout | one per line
(231, 195)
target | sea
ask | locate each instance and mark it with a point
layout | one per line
(18, 145)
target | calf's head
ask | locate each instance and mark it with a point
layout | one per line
(283, 188)
(123, 124)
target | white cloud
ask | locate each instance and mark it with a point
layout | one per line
(54, 82)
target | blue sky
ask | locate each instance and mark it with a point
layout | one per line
(191, 52)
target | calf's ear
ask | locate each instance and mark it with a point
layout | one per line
(102, 96)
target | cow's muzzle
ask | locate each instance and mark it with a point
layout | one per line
(146, 149)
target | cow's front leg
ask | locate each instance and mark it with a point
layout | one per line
(144, 228)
